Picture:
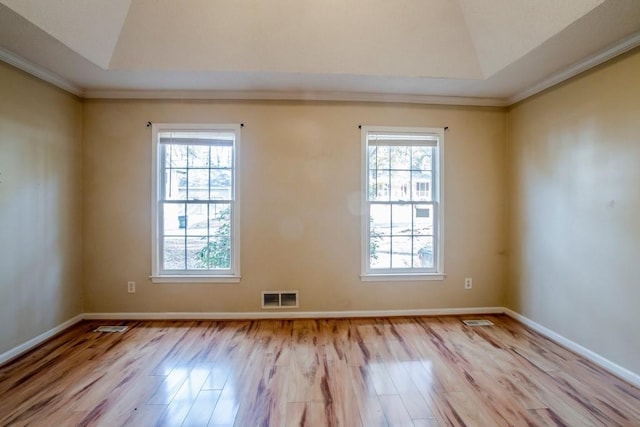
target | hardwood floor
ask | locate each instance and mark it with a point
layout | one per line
(411, 371)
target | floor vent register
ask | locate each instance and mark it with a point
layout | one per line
(111, 329)
(478, 322)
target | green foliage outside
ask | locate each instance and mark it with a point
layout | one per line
(217, 253)
(374, 240)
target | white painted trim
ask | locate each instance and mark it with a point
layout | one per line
(437, 273)
(604, 363)
(581, 66)
(283, 95)
(256, 315)
(194, 279)
(34, 342)
(232, 275)
(399, 277)
(38, 71)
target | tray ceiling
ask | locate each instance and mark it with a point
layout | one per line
(483, 49)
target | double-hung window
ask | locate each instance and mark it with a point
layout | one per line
(402, 198)
(195, 203)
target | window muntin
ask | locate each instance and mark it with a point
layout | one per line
(402, 224)
(196, 208)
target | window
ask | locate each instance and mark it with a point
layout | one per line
(422, 189)
(402, 199)
(195, 203)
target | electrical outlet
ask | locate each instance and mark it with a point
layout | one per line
(131, 287)
(468, 283)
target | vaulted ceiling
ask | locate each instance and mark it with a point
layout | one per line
(490, 52)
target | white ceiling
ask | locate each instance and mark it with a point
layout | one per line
(487, 52)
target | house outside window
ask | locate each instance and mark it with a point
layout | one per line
(196, 208)
(402, 228)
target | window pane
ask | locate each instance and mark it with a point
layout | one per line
(196, 251)
(379, 230)
(220, 184)
(175, 156)
(198, 156)
(173, 253)
(175, 184)
(421, 185)
(217, 253)
(421, 158)
(373, 157)
(213, 253)
(221, 156)
(400, 157)
(220, 219)
(402, 217)
(382, 185)
(382, 157)
(400, 185)
(423, 247)
(380, 219)
(372, 187)
(401, 252)
(174, 219)
(198, 182)
(197, 223)
(379, 258)
(423, 221)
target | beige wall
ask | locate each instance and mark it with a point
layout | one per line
(40, 207)
(575, 160)
(570, 166)
(299, 163)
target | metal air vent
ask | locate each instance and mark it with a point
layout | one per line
(279, 299)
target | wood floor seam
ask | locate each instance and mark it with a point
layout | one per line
(390, 371)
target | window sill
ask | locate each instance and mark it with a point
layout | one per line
(401, 277)
(194, 279)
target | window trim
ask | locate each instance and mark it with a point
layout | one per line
(156, 192)
(367, 274)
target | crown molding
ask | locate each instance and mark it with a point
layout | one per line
(579, 67)
(295, 96)
(609, 53)
(38, 71)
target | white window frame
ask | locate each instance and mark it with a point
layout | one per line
(437, 190)
(231, 275)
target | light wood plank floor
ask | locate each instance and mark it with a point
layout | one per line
(410, 371)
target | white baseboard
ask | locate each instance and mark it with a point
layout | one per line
(604, 363)
(34, 342)
(251, 315)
